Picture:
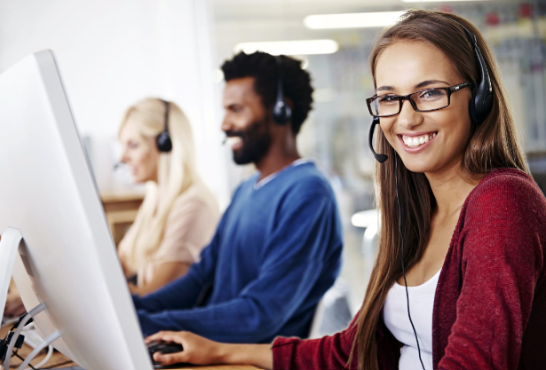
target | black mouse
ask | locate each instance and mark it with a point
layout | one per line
(163, 347)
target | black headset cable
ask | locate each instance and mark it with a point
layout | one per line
(402, 256)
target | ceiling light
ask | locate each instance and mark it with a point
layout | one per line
(435, 1)
(301, 47)
(352, 20)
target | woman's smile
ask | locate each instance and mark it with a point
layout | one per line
(416, 142)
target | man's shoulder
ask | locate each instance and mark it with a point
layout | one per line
(308, 179)
(302, 180)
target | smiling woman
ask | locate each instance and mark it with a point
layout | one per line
(444, 121)
(462, 222)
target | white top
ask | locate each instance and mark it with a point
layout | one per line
(395, 316)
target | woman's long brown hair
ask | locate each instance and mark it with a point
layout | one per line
(492, 144)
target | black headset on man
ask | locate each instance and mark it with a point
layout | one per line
(281, 113)
(479, 107)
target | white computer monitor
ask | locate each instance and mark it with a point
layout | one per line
(47, 191)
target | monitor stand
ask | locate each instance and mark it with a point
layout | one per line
(9, 245)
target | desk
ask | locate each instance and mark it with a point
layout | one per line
(58, 360)
(121, 208)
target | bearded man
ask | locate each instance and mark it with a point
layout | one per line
(277, 248)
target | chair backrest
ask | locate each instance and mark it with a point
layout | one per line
(333, 313)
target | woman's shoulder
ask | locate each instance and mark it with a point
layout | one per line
(503, 184)
(197, 196)
(507, 191)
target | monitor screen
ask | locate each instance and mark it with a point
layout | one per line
(68, 260)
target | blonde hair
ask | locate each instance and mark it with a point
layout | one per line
(176, 172)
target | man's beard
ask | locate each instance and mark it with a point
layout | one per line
(256, 141)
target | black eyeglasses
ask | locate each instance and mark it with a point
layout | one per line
(426, 100)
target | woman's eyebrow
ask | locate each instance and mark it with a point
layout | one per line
(419, 85)
(385, 88)
(429, 82)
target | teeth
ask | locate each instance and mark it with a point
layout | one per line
(233, 140)
(413, 141)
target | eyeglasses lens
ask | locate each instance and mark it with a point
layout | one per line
(426, 100)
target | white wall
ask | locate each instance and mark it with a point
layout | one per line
(113, 53)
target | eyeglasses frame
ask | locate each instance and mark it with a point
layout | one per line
(450, 90)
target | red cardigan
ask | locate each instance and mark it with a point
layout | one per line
(490, 303)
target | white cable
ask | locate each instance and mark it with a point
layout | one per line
(45, 360)
(9, 322)
(50, 339)
(28, 332)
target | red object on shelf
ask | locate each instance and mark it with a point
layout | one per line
(492, 19)
(525, 10)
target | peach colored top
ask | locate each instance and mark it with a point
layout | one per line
(190, 226)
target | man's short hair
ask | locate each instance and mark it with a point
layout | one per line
(263, 68)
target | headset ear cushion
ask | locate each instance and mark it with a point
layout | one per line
(164, 143)
(479, 110)
(282, 113)
(488, 104)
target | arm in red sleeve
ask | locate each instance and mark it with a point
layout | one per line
(502, 259)
(327, 353)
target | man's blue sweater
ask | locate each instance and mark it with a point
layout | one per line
(275, 253)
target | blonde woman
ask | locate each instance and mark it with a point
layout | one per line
(179, 213)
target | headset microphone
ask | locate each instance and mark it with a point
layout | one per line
(380, 157)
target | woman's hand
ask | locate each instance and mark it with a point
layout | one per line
(201, 351)
(197, 350)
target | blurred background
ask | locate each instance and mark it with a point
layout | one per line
(113, 53)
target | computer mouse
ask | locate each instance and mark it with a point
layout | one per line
(163, 347)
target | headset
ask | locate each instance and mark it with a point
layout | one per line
(163, 140)
(481, 101)
(282, 113)
(479, 107)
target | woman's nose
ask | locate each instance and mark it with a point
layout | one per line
(124, 157)
(408, 118)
